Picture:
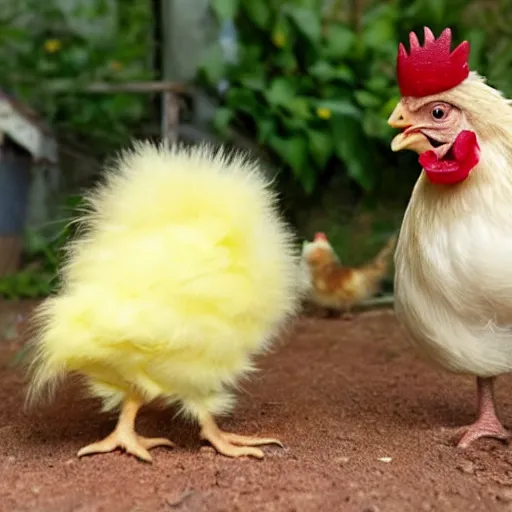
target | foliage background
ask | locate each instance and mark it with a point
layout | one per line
(312, 83)
(49, 56)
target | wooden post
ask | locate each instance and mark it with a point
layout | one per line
(171, 92)
(10, 254)
(170, 117)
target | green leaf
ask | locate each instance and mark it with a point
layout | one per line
(322, 70)
(265, 127)
(477, 38)
(294, 124)
(389, 106)
(254, 80)
(343, 107)
(339, 41)
(283, 34)
(280, 92)
(224, 9)
(213, 64)
(343, 72)
(308, 179)
(307, 21)
(77, 56)
(222, 118)
(293, 150)
(378, 34)
(252, 55)
(286, 60)
(325, 72)
(258, 12)
(352, 148)
(321, 146)
(243, 99)
(438, 9)
(378, 84)
(376, 126)
(299, 106)
(367, 99)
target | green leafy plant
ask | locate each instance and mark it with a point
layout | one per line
(42, 256)
(48, 61)
(312, 88)
(314, 81)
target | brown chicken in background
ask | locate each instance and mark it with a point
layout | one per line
(453, 270)
(337, 288)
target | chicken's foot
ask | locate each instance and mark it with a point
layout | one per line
(125, 437)
(488, 423)
(233, 445)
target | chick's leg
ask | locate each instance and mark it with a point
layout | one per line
(487, 423)
(233, 445)
(125, 437)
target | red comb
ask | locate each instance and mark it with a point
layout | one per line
(431, 68)
(320, 236)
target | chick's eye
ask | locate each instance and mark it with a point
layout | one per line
(438, 113)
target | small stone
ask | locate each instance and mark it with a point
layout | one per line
(207, 450)
(505, 495)
(11, 458)
(178, 499)
(385, 459)
(69, 462)
(342, 460)
(467, 467)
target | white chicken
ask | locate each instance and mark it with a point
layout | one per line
(453, 271)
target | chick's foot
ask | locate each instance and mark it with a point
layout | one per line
(125, 437)
(130, 442)
(488, 423)
(234, 445)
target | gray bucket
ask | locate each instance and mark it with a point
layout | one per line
(15, 166)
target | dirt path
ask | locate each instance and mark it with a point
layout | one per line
(367, 426)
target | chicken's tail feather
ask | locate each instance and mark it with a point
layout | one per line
(44, 371)
(380, 262)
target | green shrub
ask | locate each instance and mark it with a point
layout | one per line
(314, 82)
(309, 87)
(42, 256)
(48, 60)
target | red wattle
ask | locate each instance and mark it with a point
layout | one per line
(456, 165)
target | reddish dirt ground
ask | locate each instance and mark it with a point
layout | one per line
(368, 427)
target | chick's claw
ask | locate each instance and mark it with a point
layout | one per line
(233, 445)
(231, 450)
(131, 443)
(250, 440)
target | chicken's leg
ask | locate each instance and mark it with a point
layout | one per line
(125, 437)
(233, 445)
(487, 423)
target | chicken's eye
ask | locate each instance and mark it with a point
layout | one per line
(438, 113)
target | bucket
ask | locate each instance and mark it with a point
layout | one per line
(15, 171)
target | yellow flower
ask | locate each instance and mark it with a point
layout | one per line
(52, 45)
(116, 65)
(278, 39)
(323, 113)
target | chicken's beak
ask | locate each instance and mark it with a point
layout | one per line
(415, 141)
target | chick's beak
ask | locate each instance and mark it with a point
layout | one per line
(408, 139)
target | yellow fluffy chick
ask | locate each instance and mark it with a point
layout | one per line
(183, 272)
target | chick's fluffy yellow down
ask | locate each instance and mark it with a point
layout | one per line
(184, 270)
